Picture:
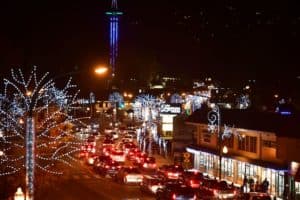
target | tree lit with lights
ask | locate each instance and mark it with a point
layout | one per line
(34, 110)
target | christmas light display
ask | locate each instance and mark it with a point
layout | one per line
(243, 101)
(176, 98)
(35, 111)
(147, 108)
(194, 101)
(116, 97)
(146, 103)
(214, 124)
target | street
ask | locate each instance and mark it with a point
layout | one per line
(79, 182)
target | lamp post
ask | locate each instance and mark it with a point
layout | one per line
(214, 120)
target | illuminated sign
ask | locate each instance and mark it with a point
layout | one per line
(169, 109)
(167, 119)
(167, 127)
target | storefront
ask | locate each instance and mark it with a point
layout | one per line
(295, 179)
(297, 189)
(235, 169)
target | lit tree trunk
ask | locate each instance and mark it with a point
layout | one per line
(145, 144)
(30, 157)
(160, 142)
(150, 144)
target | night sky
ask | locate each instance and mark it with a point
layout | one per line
(227, 39)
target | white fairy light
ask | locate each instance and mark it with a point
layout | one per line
(20, 101)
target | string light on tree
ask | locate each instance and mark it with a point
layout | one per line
(36, 111)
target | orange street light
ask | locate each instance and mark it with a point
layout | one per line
(101, 70)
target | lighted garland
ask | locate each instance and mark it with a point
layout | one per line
(52, 106)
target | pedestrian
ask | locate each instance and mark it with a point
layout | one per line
(286, 191)
(265, 185)
(251, 185)
(257, 186)
(245, 182)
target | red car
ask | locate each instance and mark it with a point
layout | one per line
(171, 171)
(149, 163)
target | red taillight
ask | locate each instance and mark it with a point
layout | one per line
(174, 196)
(119, 166)
(154, 165)
(145, 165)
(191, 182)
(106, 166)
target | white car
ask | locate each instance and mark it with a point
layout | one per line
(129, 175)
(118, 156)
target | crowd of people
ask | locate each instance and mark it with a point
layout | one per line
(252, 186)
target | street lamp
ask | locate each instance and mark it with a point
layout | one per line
(214, 120)
(225, 150)
(101, 70)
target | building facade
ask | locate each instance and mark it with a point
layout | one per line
(254, 151)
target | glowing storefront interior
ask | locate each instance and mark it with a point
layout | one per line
(234, 170)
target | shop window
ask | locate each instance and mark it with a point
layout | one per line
(297, 188)
(246, 169)
(228, 141)
(269, 144)
(241, 170)
(206, 136)
(202, 159)
(227, 167)
(247, 143)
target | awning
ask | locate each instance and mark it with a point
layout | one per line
(195, 149)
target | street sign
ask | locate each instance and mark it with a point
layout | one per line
(187, 157)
